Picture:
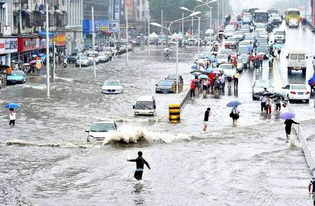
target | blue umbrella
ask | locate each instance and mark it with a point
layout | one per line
(287, 115)
(194, 67)
(209, 70)
(311, 81)
(277, 46)
(203, 76)
(12, 106)
(233, 104)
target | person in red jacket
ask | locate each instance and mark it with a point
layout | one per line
(192, 88)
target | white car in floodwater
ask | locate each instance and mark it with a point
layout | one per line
(100, 130)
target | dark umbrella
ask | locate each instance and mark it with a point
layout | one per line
(268, 94)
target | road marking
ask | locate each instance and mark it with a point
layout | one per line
(276, 75)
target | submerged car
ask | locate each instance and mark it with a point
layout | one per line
(99, 131)
(112, 87)
(166, 86)
(16, 77)
(258, 88)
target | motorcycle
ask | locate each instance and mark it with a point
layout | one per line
(65, 63)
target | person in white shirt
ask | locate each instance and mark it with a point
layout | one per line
(12, 117)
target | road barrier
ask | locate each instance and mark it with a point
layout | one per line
(174, 113)
(306, 150)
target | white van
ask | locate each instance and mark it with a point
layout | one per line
(145, 105)
(297, 61)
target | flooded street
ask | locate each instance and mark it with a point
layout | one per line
(45, 159)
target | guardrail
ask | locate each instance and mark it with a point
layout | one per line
(306, 150)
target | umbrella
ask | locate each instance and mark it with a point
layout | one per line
(277, 46)
(194, 67)
(196, 72)
(287, 115)
(277, 94)
(233, 104)
(209, 70)
(12, 106)
(33, 62)
(203, 76)
(42, 55)
(311, 81)
(216, 72)
(34, 55)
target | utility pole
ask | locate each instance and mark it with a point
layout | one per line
(20, 17)
(47, 53)
(198, 35)
(210, 21)
(127, 37)
(162, 33)
(54, 64)
(183, 23)
(93, 43)
(192, 26)
(148, 36)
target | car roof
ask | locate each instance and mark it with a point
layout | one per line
(297, 51)
(110, 80)
(104, 121)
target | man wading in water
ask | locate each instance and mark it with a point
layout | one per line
(140, 164)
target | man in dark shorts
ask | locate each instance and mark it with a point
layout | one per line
(206, 119)
(140, 162)
(311, 189)
(288, 124)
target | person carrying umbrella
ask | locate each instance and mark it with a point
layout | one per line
(234, 115)
(12, 117)
(288, 116)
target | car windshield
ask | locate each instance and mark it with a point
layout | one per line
(17, 73)
(226, 51)
(232, 39)
(229, 30)
(165, 83)
(102, 127)
(245, 43)
(250, 37)
(262, 48)
(111, 83)
(301, 56)
(84, 57)
(279, 33)
(262, 33)
(226, 66)
(298, 87)
(222, 56)
(243, 50)
(293, 56)
(144, 105)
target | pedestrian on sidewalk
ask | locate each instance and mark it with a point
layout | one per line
(140, 162)
(236, 77)
(288, 124)
(12, 117)
(192, 88)
(206, 119)
(311, 189)
(235, 114)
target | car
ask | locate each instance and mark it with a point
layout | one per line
(145, 105)
(72, 58)
(258, 88)
(244, 50)
(297, 92)
(112, 87)
(231, 43)
(93, 57)
(246, 20)
(229, 52)
(229, 31)
(263, 34)
(279, 36)
(165, 86)
(16, 77)
(260, 27)
(101, 130)
(227, 69)
(297, 60)
(240, 65)
(173, 77)
(239, 35)
(222, 58)
(293, 23)
(276, 19)
(103, 57)
(112, 50)
(261, 41)
(84, 61)
(263, 50)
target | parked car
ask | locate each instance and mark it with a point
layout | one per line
(103, 57)
(297, 92)
(166, 86)
(279, 36)
(16, 77)
(258, 88)
(100, 130)
(84, 61)
(112, 87)
(73, 58)
(222, 58)
(93, 57)
(173, 77)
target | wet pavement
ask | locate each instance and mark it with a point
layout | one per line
(45, 160)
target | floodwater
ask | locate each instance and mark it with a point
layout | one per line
(45, 160)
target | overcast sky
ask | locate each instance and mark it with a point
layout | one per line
(239, 5)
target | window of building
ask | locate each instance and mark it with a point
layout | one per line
(138, 2)
(143, 1)
(138, 14)
(142, 14)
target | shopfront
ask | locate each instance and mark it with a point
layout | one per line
(29, 46)
(60, 41)
(8, 46)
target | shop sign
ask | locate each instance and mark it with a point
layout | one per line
(60, 39)
(8, 45)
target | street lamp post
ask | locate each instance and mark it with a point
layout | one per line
(148, 36)
(47, 53)
(169, 31)
(198, 35)
(127, 37)
(93, 43)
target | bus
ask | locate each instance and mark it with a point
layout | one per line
(261, 16)
(292, 15)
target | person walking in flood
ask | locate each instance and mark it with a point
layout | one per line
(12, 117)
(235, 114)
(206, 119)
(288, 124)
(140, 162)
(311, 189)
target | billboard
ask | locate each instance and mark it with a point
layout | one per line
(100, 25)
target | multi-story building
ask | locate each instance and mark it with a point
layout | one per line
(142, 10)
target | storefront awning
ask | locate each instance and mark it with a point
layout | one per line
(43, 34)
